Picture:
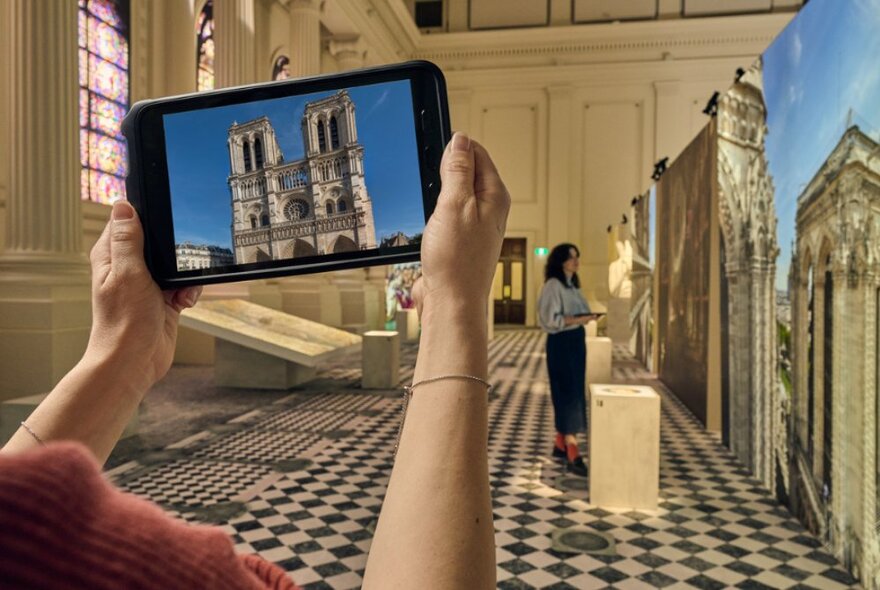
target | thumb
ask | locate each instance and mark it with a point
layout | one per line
(457, 169)
(126, 240)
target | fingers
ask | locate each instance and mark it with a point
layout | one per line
(126, 240)
(489, 188)
(181, 299)
(457, 170)
(487, 181)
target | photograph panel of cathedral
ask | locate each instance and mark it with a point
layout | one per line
(295, 177)
(799, 177)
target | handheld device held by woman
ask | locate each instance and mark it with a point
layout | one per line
(288, 177)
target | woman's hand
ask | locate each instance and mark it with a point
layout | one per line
(462, 241)
(134, 323)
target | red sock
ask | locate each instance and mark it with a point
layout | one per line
(560, 441)
(572, 451)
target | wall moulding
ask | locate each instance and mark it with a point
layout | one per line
(655, 40)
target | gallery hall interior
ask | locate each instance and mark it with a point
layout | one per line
(679, 335)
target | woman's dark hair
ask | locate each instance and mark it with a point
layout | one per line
(557, 258)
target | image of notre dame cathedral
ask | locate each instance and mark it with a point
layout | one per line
(316, 205)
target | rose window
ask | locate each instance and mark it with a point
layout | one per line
(296, 209)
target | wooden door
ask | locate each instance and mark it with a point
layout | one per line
(509, 287)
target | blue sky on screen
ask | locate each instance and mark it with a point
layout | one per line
(823, 65)
(198, 159)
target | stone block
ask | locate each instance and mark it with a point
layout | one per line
(592, 328)
(238, 366)
(381, 360)
(15, 411)
(599, 351)
(407, 321)
(624, 446)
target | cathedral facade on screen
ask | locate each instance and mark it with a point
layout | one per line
(312, 206)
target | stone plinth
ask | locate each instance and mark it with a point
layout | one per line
(238, 366)
(197, 348)
(617, 321)
(258, 347)
(624, 446)
(381, 360)
(15, 411)
(599, 359)
(407, 321)
(592, 329)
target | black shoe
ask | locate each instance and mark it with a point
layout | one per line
(577, 467)
(558, 453)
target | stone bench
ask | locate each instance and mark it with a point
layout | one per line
(262, 348)
(15, 411)
(407, 321)
(599, 353)
(624, 446)
(381, 360)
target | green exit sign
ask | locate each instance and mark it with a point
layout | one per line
(541, 251)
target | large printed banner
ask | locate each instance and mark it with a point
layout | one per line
(795, 170)
(684, 197)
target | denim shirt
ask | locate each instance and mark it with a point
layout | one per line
(556, 302)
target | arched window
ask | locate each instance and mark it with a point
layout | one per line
(828, 377)
(811, 354)
(281, 68)
(264, 220)
(322, 139)
(258, 153)
(334, 133)
(103, 98)
(253, 221)
(329, 207)
(246, 152)
(342, 206)
(205, 47)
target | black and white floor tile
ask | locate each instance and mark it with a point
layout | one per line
(715, 527)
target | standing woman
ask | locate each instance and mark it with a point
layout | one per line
(562, 313)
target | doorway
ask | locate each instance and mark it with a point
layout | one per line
(509, 287)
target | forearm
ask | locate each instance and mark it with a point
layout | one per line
(436, 527)
(92, 405)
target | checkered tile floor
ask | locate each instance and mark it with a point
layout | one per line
(715, 526)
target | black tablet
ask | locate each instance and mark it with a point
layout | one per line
(289, 177)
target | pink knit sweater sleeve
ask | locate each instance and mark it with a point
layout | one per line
(62, 525)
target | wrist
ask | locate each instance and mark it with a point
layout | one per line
(465, 313)
(115, 373)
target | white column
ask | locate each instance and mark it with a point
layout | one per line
(457, 15)
(305, 38)
(349, 53)
(45, 311)
(234, 62)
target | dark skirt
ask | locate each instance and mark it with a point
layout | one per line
(567, 364)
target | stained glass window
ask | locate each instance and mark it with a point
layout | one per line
(103, 98)
(205, 47)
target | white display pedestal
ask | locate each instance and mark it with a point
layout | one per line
(624, 446)
(407, 321)
(599, 359)
(592, 329)
(381, 360)
(15, 411)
